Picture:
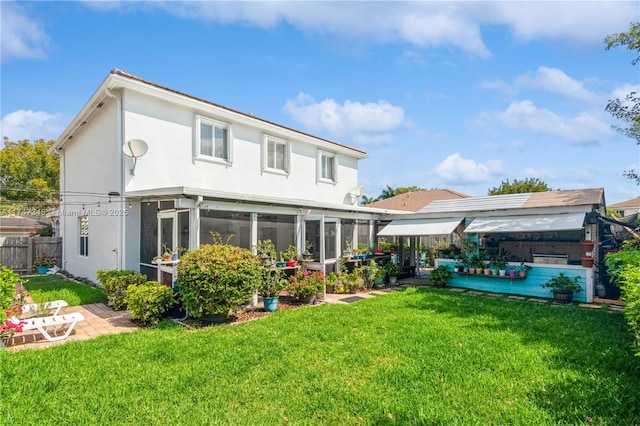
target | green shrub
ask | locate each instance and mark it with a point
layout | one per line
(217, 279)
(630, 287)
(624, 268)
(148, 302)
(116, 282)
(8, 282)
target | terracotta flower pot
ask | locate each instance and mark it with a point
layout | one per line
(586, 261)
(586, 246)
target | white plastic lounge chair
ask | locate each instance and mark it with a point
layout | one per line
(51, 308)
(57, 321)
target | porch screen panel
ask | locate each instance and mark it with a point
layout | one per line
(183, 230)
(148, 231)
(312, 234)
(230, 225)
(348, 228)
(330, 231)
(280, 229)
(363, 231)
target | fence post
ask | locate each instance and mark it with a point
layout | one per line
(30, 259)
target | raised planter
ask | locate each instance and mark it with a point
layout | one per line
(563, 297)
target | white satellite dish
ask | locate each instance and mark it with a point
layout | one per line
(135, 148)
(355, 193)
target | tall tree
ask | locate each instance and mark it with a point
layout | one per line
(520, 187)
(627, 110)
(367, 199)
(28, 173)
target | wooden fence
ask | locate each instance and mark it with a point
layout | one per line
(19, 253)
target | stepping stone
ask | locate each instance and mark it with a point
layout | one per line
(589, 305)
(459, 290)
(475, 293)
(615, 308)
(494, 295)
(517, 297)
(538, 300)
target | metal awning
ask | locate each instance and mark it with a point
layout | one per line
(531, 223)
(408, 227)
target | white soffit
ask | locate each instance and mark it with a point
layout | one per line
(532, 223)
(407, 227)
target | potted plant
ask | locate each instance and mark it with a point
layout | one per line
(563, 287)
(348, 251)
(331, 281)
(270, 287)
(305, 285)
(440, 275)
(392, 271)
(44, 263)
(266, 252)
(290, 255)
(523, 269)
(353, 281)
(307, 255)
(477, 263)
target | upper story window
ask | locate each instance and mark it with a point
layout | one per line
(327, 167)
(213, 139)
(276, 154)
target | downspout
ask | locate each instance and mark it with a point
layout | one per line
(120, 249)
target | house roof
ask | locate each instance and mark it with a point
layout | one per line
(569, 200)
(415, 200)
(119, 79)
(635, 202)
(16, 223)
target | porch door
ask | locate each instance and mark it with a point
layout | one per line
(173, 227)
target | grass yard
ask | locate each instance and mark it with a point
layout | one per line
(45, 288)
(413, 357)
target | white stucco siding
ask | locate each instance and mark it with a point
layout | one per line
(90, 172)
(169, 131)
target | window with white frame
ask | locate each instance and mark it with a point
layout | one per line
(84, 235)
(327, 167)
(213, 139)
(276, 154)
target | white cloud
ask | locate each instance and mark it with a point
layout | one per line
(582, 21)
(21, 36)
(457, 170)
(365, 123)
(556, 81)
(422, 24)
(585, 128)
(32, 125)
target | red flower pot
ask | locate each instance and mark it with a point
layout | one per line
(586, 246)
(291, 263)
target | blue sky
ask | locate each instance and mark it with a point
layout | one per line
(459, 95)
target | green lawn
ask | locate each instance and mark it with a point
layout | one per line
(413, 357)
(45, 288)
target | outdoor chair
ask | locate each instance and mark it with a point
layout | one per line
(56, 321)
(50, 308)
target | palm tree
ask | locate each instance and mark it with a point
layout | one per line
(365, 199)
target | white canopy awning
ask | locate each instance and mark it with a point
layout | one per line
(531, 223)
(408, 227)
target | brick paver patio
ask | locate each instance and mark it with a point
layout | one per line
(99, 319)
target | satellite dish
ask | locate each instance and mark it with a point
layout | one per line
(135, 148)
(355, 193)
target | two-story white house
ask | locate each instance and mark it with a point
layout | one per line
(145, 167)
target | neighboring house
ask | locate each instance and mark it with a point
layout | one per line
(21, 226)
(627, 208)
(416, 200)
(146, 168)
